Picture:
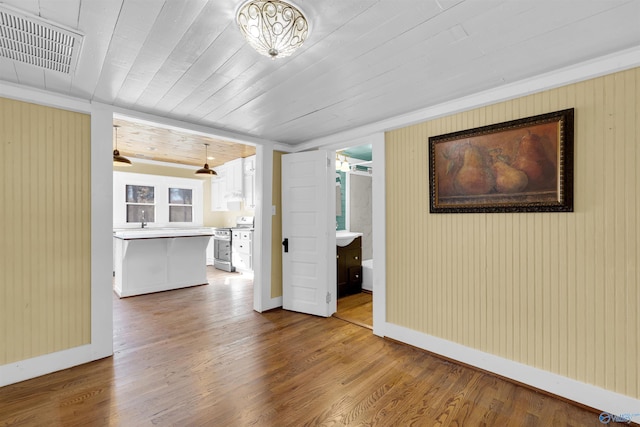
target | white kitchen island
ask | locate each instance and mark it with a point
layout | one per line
(155, 260)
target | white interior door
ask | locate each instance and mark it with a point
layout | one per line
(308, 229)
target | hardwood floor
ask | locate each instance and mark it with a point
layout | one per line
(202, 357)
(356, 309)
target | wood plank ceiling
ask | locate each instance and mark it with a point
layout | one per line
(365, 60)
(141, 140)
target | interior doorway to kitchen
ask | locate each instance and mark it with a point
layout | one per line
(164, 152)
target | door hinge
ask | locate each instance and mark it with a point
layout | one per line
(328, 162)
(328, 297)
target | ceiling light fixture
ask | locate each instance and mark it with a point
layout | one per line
(345, 166)
(274, 28)
(342, 165)
(119, 160)
(205, 170)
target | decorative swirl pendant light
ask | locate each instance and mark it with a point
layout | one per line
(205, 170)
(273, 28)
(119, 160)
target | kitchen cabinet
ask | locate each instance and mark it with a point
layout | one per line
(155, 260)
(242, 250)
(234, 179)
(249, 182)
(349, 268)
(219, 189)
(227, 188)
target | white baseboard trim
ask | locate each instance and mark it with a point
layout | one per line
(41, 365)
(576, 391)
(272, 303)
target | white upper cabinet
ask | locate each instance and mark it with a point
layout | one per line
(234, 179)
(249, 183)
(235, 183)
(250, 165)
(219, 189)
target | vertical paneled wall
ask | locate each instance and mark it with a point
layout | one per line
(45, 224)
(276, 227)
(557, 291)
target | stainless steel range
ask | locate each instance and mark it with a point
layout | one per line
(222, 243)
(222, 249)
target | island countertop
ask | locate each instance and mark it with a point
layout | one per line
(150, 260)
(160, 233)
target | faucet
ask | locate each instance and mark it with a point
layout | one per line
(143, 223)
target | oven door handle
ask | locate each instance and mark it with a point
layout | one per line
(285, 243)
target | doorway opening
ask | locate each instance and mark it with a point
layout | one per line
(167, 158)
(354, 213)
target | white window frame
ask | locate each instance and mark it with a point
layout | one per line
(182, 205)
(162, 185)
(127, 204)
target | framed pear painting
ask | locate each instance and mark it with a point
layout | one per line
(524, 165)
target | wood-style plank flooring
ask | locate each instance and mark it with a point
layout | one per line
(356, 309)
(202, 357)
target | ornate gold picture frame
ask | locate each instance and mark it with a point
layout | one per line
(523, 165)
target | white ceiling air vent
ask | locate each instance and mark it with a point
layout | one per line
(38, 42)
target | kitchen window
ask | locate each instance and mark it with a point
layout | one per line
(167, 201)
(140, 203)
(180, 205)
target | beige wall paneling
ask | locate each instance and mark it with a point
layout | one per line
(45, 264)
(556, 291)
(276, 227)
